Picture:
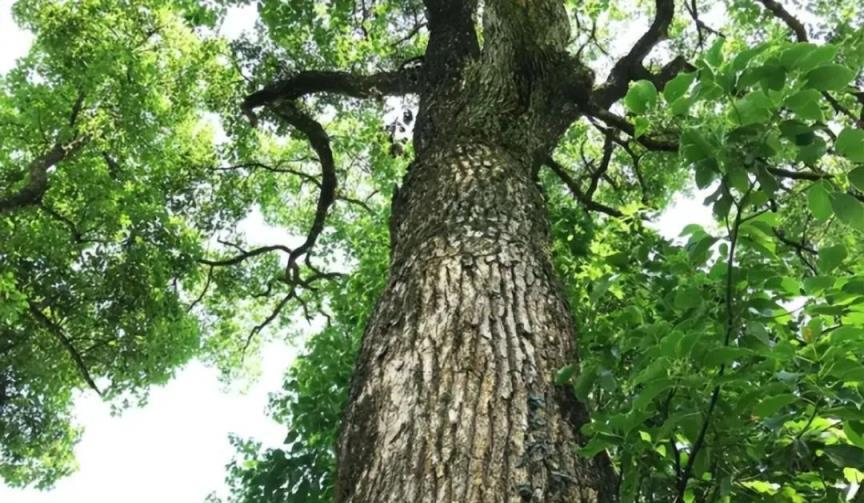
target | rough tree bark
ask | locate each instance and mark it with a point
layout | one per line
(453, 397)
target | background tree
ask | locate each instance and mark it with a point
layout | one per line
(726, 368)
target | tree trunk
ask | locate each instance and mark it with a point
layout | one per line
(453, 398)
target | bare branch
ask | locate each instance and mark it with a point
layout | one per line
(269, 319)
(245, 255)
(797, 175)
(203, 290)
(584, 199)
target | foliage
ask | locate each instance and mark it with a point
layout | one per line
(720, 366)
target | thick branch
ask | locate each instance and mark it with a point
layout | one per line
(37, 184)
(347, 84)
(67, 344)
(796, 175)
(630, 67)
(791, 21)
(320, 143)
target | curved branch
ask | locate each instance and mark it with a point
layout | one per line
(57, 332)
(320, 142)
(784, 15)
(621, 124)
(245, 255)
(629, 67)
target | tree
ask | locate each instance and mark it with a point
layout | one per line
(725, 369)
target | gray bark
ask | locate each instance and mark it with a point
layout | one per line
(453, 397)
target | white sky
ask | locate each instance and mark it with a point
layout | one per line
(174, 449)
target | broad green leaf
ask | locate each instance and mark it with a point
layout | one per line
(585, 381)
(772, 404)
(845, 455)
(854, 431)
(650, 391)
(641, 96)
(687, 298)
(565, 374)
(694, 146)
(831, 77)
(848, 209)
(850, 144)
(754, 108)
(816, 56)
(678, 86)
(856, 177)
(805, 104)
(819, 200)
(831, 257)
(762, 487)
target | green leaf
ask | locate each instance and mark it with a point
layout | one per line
(831, 77)
(854, 431)
(819, 200)
(650, 391)
(676, 87)
(856, 178)
(818, 55)
(831, 257)
(564, 374)
(583, 384)
(772, 404)
(641, 126)
(848, 209)
(753, 108)
(761, 487)
(714, 56)
(845, 455)
(687, 298)
(641, 96)
(770, 76)
(805, 104)
(694, 146)
(850, 144)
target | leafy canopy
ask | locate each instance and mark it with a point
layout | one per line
(724, 365)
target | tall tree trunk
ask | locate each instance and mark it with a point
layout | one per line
(453, 398)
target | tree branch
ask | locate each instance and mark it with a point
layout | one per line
(583, 198)
(67, 344)
(621, 124)
(37, 184)
(629, 67)
(791, 21)
(401, 82)
(244, 256)
(31, 193)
